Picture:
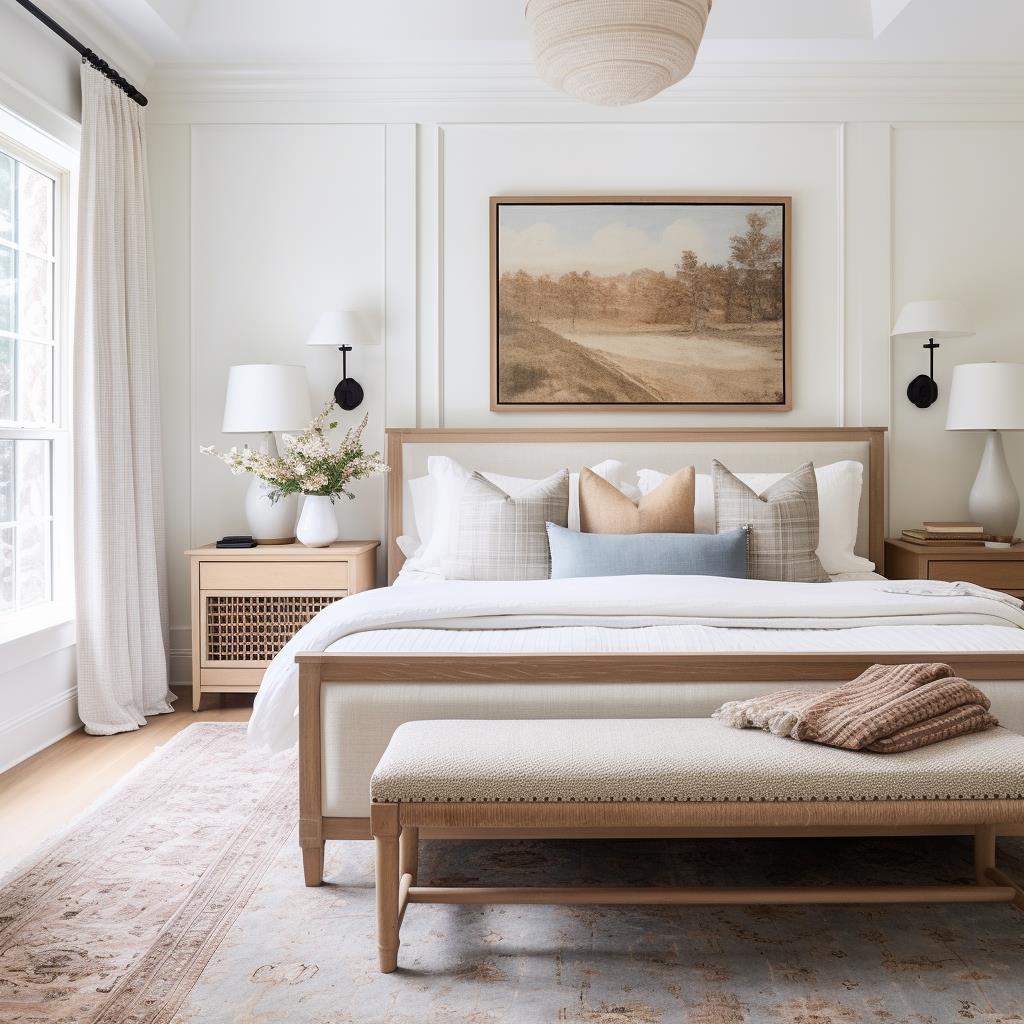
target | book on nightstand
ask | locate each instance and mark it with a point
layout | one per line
(948, 535)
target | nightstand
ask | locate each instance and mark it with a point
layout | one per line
(995, 568)
(248, 603)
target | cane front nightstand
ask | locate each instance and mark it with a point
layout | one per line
(248, 603)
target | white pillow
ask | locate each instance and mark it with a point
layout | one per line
(436, 497)
(839, 489)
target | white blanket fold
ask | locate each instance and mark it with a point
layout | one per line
(621, 601)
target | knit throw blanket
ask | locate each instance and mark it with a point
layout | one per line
(887, 709)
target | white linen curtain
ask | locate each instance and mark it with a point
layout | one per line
(119, 530)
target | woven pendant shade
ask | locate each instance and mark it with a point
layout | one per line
(615, 52)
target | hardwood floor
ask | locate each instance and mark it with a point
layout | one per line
(42, 794)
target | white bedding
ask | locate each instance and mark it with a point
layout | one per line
(735, 607)
(677, 637)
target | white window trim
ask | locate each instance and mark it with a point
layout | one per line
(38, 631)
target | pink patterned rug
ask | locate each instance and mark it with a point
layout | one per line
(116, 919)
(179, 900)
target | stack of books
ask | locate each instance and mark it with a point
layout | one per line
(947, 535)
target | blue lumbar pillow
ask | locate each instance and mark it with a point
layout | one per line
(576, 554)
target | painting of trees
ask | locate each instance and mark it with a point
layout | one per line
(595, 304)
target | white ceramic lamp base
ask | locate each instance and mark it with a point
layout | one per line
(270, 522)
(994, 501)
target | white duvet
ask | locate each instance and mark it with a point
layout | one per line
(619, 602)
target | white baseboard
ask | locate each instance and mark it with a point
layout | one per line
(38, 728)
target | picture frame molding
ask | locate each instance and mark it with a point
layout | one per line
(785, 202)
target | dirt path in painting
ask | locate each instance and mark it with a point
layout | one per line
(538, 365)
(652, 365)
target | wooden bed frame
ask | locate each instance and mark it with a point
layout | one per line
(316, 670)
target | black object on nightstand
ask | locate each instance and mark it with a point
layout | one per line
(236, 542)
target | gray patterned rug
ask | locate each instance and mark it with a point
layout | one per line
(181, 901)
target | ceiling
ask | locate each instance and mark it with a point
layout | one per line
(340, 31)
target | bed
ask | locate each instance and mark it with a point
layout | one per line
(602, 648)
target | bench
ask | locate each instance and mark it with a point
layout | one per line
(593, 778)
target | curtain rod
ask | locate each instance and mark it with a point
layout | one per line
(88, 56)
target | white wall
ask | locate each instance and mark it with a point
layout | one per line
(958, 226)
(295, 205)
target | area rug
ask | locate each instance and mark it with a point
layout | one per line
(180, 901)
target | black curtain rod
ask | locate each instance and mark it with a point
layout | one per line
(88, 55)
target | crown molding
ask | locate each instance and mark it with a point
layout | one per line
(511, 89)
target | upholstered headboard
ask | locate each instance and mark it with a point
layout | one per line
(538, 451)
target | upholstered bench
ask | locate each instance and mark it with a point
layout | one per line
(655, 777)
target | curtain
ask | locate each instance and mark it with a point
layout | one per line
(119, 531)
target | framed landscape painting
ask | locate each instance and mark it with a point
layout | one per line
(637, 302)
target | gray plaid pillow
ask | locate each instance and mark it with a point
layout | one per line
(504, 538)
(783, 521)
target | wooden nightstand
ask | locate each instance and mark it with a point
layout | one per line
(248, 603)
(995, 568)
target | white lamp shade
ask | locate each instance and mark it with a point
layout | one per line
(934, 318)
(986, 396)
(341, 327)
(266, 397)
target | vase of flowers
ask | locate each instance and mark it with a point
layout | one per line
(312, 466)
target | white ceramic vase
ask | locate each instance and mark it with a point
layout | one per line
(318, 525)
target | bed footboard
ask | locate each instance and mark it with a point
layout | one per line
(618, 673)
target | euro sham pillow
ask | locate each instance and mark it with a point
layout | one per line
(501, 537)
(783, 521)
(668, 508)
(839, 491)
(576, 554)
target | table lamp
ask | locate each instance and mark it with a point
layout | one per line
(990, 396)
(263, 398)
(931, 319)
(343, 329)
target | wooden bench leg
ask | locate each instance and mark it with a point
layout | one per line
(984, 852)
(313, 864)
(409, 852)
(385, 835)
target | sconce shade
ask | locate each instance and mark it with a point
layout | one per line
(265, 397)
(934, 318)
(341, 327)
(986, 396)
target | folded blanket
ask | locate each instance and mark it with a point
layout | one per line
(886, 709)
(939, 588)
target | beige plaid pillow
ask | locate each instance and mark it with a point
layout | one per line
(499, 537)
(783, 522)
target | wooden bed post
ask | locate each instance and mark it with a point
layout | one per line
(311, 836)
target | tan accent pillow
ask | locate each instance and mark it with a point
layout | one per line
(666, 509)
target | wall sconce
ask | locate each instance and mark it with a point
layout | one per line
(931, 319)
(343, 329)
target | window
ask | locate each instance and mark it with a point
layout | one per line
(34, 493)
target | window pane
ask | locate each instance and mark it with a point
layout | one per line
(6, 481)
(7, 569)
(35, 296)
(35, 382)
(6, 379)
(8, 289)
(7, 197)
(33, 563)
(35, 211)
(32, 476)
